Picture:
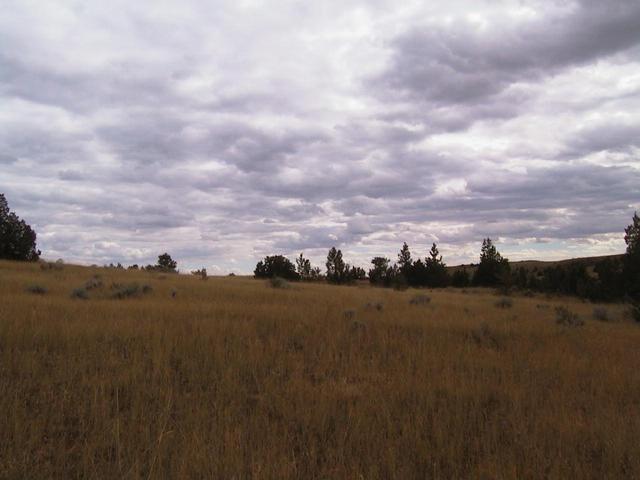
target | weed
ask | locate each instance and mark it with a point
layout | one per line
(277, 282)
(601, 314)
(567, 318)
(420, 299)
(349, 314)
(36, 289)
(374, 306)
(504, 302)
(93, 282)
(126, 291)
(80, 294)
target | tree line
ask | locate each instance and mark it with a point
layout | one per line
(610, 279)
(430, 272)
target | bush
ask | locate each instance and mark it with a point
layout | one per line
(36, 289)
(504, 302)
(57, 265)
(125, 291)
(601, 313)
(420, 300)
(349, 314)
(278, 282)
(80, 294)
(567, 318)
(635, 311)
(374, 306)
(146, 289)
(94, 282)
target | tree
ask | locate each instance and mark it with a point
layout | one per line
(632, 236)
(357, 273)
(631, 268)
(493, 269)
(303, 267)
(436, 270)
(404, 260)
(336, 268)
(166, 263)
(17, 238)
(379, 274)
(276, 266)
(460, 278)
(202, 273)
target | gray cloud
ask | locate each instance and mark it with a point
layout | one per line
(224, 134)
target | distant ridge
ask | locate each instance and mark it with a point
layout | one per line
(541, 264)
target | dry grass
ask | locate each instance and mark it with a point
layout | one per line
(234, 379)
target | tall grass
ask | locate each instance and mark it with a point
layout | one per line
(235, 379)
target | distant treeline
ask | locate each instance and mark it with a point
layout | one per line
(608, 279)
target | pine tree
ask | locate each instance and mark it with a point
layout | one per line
(436, 270)
(493, 268)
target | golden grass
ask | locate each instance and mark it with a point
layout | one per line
(234, 379)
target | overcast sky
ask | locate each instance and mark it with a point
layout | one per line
(225, 131)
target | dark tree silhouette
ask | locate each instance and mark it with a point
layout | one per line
(379, 274)
(404, 261)
(436, 270)
(460, 278)
(337, 270)
(631, 268)
(17, 239)
(166, 263)
(493, 269)
(276, 266)
(303, 267)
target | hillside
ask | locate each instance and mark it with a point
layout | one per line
(542, 264)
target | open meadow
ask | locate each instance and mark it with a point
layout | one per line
(232, 378)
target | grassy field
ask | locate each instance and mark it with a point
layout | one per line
(230, 378)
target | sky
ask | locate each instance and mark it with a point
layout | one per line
(224, 131)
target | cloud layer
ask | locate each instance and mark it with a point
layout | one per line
(225, 131)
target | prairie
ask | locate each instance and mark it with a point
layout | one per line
(231, 378)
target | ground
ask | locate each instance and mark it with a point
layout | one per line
(231, 378)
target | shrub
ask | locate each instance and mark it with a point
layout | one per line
(374, 306)
(420, 300)
(601, 313)
(36, 289)
(126, 291)
(567, 318)
(504, 302)
(94, 282)
(349, 314)
(80, 294)
(146, 289)
(635, 311)
(278, 282)
(57, 265)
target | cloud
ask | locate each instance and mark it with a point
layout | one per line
(225, 133)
